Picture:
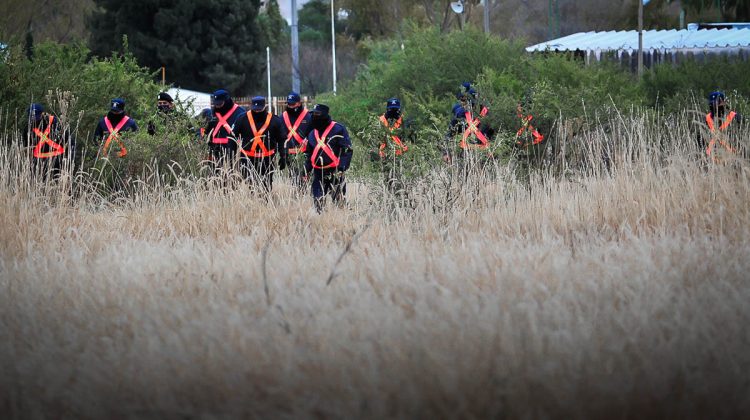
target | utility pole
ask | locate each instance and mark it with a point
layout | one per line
(640, 38)
(268, 70)
(487, 16)
(333, 46)
(295, 49)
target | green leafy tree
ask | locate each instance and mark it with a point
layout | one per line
(731, 10)
(273, 27)
(315, 22)
(204, 44)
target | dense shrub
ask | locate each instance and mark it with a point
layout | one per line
(425, 73)
(78, 88)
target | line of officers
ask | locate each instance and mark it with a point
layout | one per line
(314, 148)
(309, 143)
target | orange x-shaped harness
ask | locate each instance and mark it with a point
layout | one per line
(526, 126)
(57, 148)
(400, 146)
(293, 134)
(472, 128)
(258, 139)
(322, 146)
(712, 128)
(114, 134)
(222, 123)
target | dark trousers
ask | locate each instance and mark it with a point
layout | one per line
(324, 183)
(258, 172)
(48, 168)
(221, 157)
(297, 171)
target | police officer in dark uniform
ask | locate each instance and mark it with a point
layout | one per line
(721, 123)
(165, 111)
(465, 129)
(297, 121)
(328, 156)
(221, 138)
(261, 136)
(52, 147)
(396, 133)
(111, 127)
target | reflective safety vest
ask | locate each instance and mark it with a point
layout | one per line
(400, 146)
(322, 146)
(293, 134)
(472, 129)
(723, 127)
(222, 123)
(526, 126)
(114, 134)
(258, 139)
(57, 149)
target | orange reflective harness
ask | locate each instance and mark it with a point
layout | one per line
(473, 129)
(321, 145)
(114, 133)
(222, 123)
(526, 126)
(294, 134)
(258, 139)
(57, 149)
(723, 127)
(400, 146)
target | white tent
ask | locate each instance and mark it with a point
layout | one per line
(195, 101)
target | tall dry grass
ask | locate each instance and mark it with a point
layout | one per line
(612, 284)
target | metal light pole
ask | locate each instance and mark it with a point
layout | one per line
(640, 38)
(295, 49)
(333, 46)
(486, 16)
(268, 70)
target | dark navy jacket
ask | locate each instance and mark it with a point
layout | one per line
(339, 142)
(273, 137)
(303, 130)
(56, 134)
(222, 132)
(102, 130)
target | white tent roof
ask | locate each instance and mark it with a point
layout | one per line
(684, 40)
(200, 100)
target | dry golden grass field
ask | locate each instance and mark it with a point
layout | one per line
(580, 292)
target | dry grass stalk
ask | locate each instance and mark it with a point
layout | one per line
(598, 287)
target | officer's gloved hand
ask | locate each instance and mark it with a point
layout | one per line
(283, 163)
(151, 128)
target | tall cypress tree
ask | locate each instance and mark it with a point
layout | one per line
(204, 44)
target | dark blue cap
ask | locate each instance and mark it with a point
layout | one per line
(393, 103)
(117, 105)
(258, 104)
(164, 96)
(460, 95)
(458, 111)
(321, 109)
(219, 97)
(36, 111)
(466, 85)
(293, 98)
(716, 97)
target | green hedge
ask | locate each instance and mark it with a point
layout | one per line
(78, 87)
(426, 73)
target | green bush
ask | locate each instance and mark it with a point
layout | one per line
(78, 88)
(687, 84)
(429, 70)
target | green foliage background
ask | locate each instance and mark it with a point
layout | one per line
(425, 74)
